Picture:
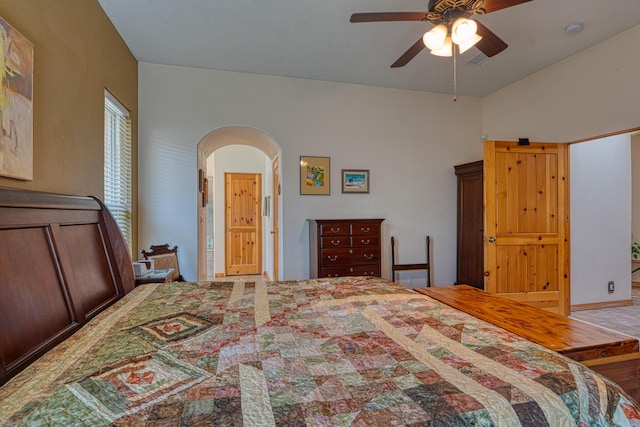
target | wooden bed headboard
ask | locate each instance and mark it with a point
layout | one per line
(62, 261)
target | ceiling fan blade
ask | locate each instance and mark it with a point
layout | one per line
(409, 54)
(493, 5)
(387, 16)
(490, 44)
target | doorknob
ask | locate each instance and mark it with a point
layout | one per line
(228, 228)
(492, 239)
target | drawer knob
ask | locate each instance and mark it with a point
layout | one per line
(351, 270)
(335, 230)
(365, 229)
(365, 242)
(350, 251)
(368, 256)
(332, 258)
(335, 242)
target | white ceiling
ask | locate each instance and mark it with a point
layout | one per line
(313, 39)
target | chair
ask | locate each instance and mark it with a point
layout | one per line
(163, 257)
(406, 267)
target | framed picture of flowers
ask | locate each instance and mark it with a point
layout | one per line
(315, 175)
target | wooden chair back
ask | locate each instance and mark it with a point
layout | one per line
(406, 267)
(163, 257)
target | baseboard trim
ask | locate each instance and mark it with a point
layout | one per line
(606, 304)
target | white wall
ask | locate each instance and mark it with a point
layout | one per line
(600, 219)
(592, 93)
(408, 140)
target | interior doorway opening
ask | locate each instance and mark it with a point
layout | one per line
(235, 149)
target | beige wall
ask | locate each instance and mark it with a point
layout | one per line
(77, 54)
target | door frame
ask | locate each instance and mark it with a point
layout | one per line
(218, 138)
(275, 219)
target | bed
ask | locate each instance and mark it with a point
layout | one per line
(356, 351)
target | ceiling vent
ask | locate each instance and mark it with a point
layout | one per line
(478, 59)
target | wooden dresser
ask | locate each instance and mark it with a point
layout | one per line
(344, 247)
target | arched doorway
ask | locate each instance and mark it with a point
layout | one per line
(243, 136)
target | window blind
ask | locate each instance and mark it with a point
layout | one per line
(117, 164)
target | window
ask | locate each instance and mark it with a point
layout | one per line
(117, 163)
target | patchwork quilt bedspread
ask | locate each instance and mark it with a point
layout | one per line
(327, 352)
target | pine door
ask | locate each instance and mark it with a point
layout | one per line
(526, 243)
(243, 237)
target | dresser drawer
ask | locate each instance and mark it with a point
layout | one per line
(335, 242)
(365, 240)
(339, 257)
(365, 229)
(355, 270)
(335, 229)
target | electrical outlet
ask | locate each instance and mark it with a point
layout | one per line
(611, 286)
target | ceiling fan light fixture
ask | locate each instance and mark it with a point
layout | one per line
(463, 30)
(463, 47)
(445, 50)
(434, 39)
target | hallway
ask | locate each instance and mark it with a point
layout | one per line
(620, 319)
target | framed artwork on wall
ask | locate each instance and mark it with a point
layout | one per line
(355, 180)
(315, 175)
(16, 104)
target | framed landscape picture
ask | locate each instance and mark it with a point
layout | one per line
(315, 176)
(355, 181)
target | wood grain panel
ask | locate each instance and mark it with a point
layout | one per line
(35, 306)
(624, 368)
(573, 338)
(470, 229)
(62, 260)
(344, 247)
(243, 240)
(242, 257)
(92, 281)
(526, 222)
(613, 355)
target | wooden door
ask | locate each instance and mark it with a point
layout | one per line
(276, 215)
(526, 244)
(243, 237)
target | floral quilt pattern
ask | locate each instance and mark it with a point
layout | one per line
(327, 352)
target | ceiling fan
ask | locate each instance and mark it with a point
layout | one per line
(452, 27)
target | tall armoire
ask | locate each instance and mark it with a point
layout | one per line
(470, 250)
